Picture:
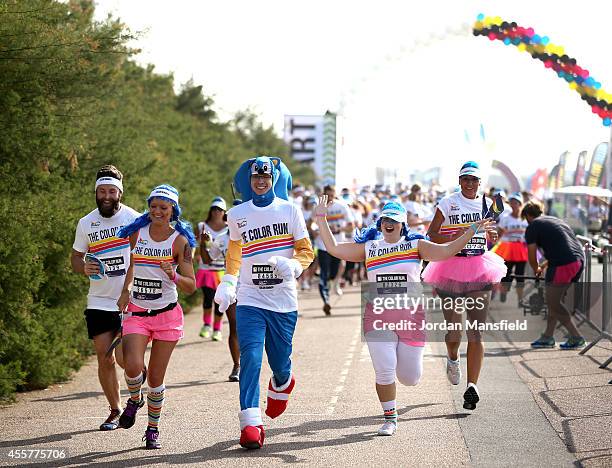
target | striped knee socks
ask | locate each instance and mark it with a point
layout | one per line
(155, 401)
(134, 385)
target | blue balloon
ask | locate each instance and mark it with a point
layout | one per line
(569, 78)
(607, 121)
(516, 41)
(561, 74)
(545, 40)
(507, 41)
(536, 39)
(480, 17)
(597, 85)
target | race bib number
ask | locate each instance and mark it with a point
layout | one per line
(475, 246)
(264, 277)
(147, 289)
(392, 284)
(114, 266)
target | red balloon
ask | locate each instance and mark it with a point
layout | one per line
(548, 64)
(492, 36)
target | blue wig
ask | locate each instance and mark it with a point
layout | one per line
(183, 227)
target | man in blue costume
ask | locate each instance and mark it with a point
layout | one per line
(269, 247)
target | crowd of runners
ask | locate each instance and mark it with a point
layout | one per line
(250, 260)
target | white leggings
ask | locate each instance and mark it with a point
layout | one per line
(390, 357)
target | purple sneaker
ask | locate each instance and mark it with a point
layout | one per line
(128, 417)
(151, 436)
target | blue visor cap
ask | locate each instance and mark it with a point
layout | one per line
(395, 212)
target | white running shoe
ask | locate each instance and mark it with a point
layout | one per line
(387, 429)
(453, 371)
(205, 331)
(217, 336)
(338, 288)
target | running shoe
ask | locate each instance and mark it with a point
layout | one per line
(252, 437)
(235, 375)
(573, 342)
(112, 422)
(387, 429)
(453, 371)
(217, 336)
(205, 331)
(471, 397)
(327, 308)
(128, 417)
(502, 297)
(544, 342)
(338, 288)
(151, 437)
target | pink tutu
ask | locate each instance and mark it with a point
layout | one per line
(459, 275)
(209, 278)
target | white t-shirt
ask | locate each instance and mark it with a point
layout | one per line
(98, 235)
(460, 212)
(338, 216)
(215, 265)
(218, 247)
(265, 232)
(394, 268)
(514, 228)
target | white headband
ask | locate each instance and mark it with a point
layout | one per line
(165, 193)
(109, 181)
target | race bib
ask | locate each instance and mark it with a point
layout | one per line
(147, 289)
(264, 277)
(475, 246)
(114, 266)
(392, 284)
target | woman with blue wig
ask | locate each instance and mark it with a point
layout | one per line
(161, 242)
(393, 257)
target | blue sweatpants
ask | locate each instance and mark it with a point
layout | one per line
(255, 327)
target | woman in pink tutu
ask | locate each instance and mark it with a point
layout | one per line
(392, 255)
(512, 246)
(469, 274)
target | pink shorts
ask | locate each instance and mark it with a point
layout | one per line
(167, 326)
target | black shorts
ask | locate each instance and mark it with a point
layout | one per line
(101, 321)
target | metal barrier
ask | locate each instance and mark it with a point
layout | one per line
(605, 329)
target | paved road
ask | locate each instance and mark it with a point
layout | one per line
(331, 421)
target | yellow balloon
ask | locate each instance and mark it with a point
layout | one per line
(478, 25)
(497, 20)
(573, 85)
(522, 47)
